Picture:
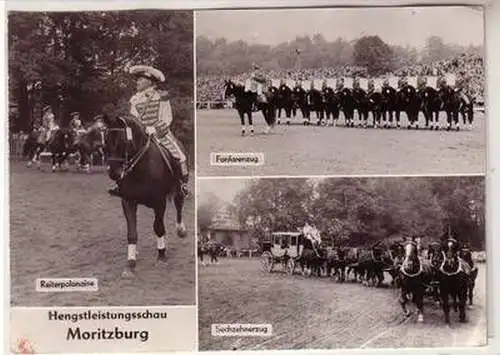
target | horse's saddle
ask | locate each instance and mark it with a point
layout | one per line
(165, 154)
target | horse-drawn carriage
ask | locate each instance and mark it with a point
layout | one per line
(284, 248)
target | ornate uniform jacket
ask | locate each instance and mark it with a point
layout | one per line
(152, 107)
(48, 121)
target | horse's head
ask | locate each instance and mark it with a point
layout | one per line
(341, 253)
(407, 93)
(451, 262)
(435, 254)
(466, 254)
(95, 134)
(123, 141)
(411, 263)
(229, 88)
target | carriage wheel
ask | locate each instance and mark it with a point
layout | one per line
(267, 261)
(290, 266)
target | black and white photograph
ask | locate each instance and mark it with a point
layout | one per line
(329, 263)
(101, 136)
(340, 91)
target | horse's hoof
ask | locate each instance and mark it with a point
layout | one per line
(29, 164)
(162, 255)
(462, 320)
(181, 230)
(470, 306)
(407, 314)
(420, 318)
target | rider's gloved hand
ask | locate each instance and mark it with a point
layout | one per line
(150, 130)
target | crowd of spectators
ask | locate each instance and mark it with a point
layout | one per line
(211, 88)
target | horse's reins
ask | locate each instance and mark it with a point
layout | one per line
(128, 166)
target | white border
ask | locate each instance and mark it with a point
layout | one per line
(195, 194)
(492, 24)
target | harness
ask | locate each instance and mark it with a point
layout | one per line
(404, 272)
(129, 165)
(459, 269)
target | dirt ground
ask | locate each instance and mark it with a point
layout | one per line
(298, 150)
(310, 313)
(66, 225)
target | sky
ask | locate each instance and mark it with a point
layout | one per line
(225, 189)
(397, 26)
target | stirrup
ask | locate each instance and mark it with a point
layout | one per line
(114, 190)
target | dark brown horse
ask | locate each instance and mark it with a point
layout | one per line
(466, 255)
(414, 275)
(144, 173)
(454, 275)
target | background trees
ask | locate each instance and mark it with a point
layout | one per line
(76, 61)
(359, 211)
(221, 57)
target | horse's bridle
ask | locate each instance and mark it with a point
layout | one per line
(128, 165)
(404, 272)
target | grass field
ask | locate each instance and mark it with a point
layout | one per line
(313, 150)
(322, 314)
(66, 225)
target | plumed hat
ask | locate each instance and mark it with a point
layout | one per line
(147, 72)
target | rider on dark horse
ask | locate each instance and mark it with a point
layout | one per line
(152, 108)
(257, 81)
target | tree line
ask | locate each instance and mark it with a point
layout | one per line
(76, 61)
(361, 211)
(222, 57)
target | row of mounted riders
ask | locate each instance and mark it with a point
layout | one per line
(327, 103)
(63, 142)
(446, 271)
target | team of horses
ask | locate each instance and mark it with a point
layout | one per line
(384, 106)
(64, 142)
(443, 272)
(446, 272)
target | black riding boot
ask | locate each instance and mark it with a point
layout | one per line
(115, 190)
(184, 177)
